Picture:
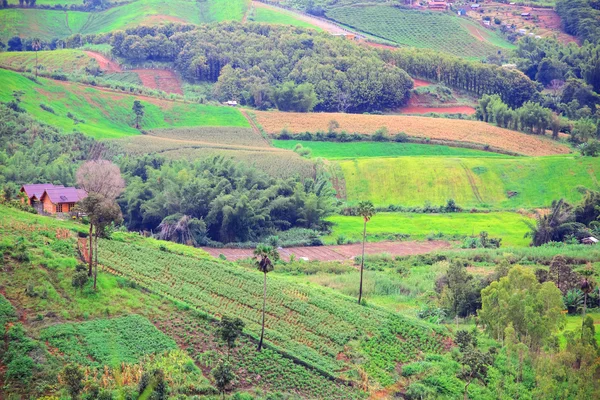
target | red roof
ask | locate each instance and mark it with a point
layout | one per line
(36, 190)
(65, 195)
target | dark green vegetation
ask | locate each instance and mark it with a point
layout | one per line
(580, 18)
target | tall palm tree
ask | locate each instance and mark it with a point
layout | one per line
(265, 257)
(36, 44)
(367, 211)
(553, 225)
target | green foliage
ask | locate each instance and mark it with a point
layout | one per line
(7, 313)
(460, 294)
(72, 377)
(292, 97)
(223, 375)
(230, 329)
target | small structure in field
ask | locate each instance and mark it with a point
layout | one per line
(461, 12)
(589, 240)
(231, 103)
(52, 199)
(437, 5)
(475, 6)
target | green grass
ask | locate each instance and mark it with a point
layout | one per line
(334, 150)
(574, 323)
(282, 17)
(508, 226)
(108, 115)
(472, 182)
(67, 60)
(108, 341)
(421, 29)
(49, 24)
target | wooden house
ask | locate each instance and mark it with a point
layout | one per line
(61, 200)
(34, 193)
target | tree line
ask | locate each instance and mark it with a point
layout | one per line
(580, 18)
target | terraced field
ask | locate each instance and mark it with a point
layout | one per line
(67, 60)
(452, 130)
(105, 114)
(509, 183)
(49, 24)
(421, 29)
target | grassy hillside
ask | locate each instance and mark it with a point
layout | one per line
(67, 60)
(49, 24)
(508, 226)
(452, 130)
(421, 29)
(269, 16)
(107, 114)
(472, 182)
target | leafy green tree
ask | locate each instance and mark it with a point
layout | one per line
(460, 293)
(229, 330)
(584, 130)
(553, 226)
(153, 385)
(534, 309)
(266, 257)
(79, 279)
(223, 375)
(138, 110)
(366, 210)
(72, 376)
(562, 274)
(292, 97)
(474, 362)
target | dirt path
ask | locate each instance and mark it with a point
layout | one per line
(105, 63)
(472, 182)
(254, 126)
(421, 83)
(339, 253)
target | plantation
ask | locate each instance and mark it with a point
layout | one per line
(308, 324)
(421, 29)
(496, 182)
(103, 114)
(451, 130)
(49, 61)
(49, 24)
(333, 150)
(508, 226)
(241, 136)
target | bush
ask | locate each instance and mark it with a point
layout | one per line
(47, 108)
(401, 137)
(20, 369)
(380, 135)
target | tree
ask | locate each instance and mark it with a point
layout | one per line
(292, 97)
(223, 375)
(103, 183)
(533, 309)
(551, 227)
(79, 279)
(474, 362)
(153, 385)
(72, 376)
(366, 210)
(584, 130)
(266, 256)
(138, 110)
(229, 330)
(36, 44)
(460, 293)
(563, 275)
(15, 44)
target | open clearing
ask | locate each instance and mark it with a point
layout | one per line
(508, 226)
(107, 114)
(455, 130)
(496, 182)
(339, 252)
(268, 14)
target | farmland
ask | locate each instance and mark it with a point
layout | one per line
(433, 30)
(278, 17)
(311, 325)
(49, 24)
(106, 114)
(67, 60)
(508, 183)
(472, 132)
(506, 225)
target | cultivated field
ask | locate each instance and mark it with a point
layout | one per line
(106, 114)
(474, 132)
(270, 15)
(421, 29)
(335, 150)
(67, 60)
(49, 24)
(508, 226)
(497, 182)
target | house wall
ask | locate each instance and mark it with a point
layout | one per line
(48, 205)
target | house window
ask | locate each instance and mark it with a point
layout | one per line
(59, 207)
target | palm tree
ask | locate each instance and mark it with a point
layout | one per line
(552, 226)
(365, 210)
(265, 257)
(36, 44)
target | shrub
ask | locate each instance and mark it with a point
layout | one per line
(401, 137)
(47, 108)
(380, 135)
(20, 369)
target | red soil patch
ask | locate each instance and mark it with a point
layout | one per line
(339, 253)
(105, 63)
(421, 83)
(160, 79)
(474, 32)
(448, 110)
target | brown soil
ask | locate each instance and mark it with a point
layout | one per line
(339, 253)
(474, 32)
(421, 83)
(161, 79)
(448, 110)
(105, 63)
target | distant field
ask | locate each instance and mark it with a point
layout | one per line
(67, 60)
(471, 182)
(243, 136)
(421, 29)
(424, 127)
(108, 114)
(508, 226)
(49, 24)
(335, 150)
(270, 16)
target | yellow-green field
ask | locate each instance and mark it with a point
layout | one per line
(107, 114)
(506, 225)
(510, 182)
(276, 17)
(67, 60)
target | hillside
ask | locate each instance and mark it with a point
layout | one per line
(50, 24)
(451, 130)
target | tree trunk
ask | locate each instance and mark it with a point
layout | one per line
(262, 332)
(91, 239)
(466, 395)
(362, 262)
(96, 257)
